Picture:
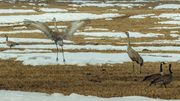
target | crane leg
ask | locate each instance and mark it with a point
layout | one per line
(63, 54)
(57, 53)
(164, 85)
(140, 69)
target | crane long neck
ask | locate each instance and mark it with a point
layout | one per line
(128, 44)
(55, 25)
(6, 38)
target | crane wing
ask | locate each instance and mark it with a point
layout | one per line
(41, 26)
(74, 27)
(135, 56)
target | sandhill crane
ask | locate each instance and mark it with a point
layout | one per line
(156, 75)
(134, 56)
(10, 43)
(56, 36)
(164, 79)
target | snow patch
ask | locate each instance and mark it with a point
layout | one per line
(84, 58)
(35, 96)
(31, 40)
(53, 10)
(47, 17)
(118, 34)
(141, 16)
(170, 22)
(177, 27)
(107, 5)
(26, 51)
(90, 28)
(8, 11)
(95, 47)
(168, 6)
(175, 35)
(174, 16)
(20, 31)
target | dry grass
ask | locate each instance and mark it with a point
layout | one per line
(104, 81)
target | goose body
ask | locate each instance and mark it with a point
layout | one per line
(156, 75)
(10, 43)
(164, 79)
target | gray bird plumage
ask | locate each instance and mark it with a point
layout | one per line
(164, 79)
(134, 55)
(156, 75)
(55, 35)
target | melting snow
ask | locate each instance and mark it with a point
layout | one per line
(20, 31)
(83, 58)
(175, 35)
(174, 31)
(59, 17)
(107, 5)
(168, 6)
(26, 31)
(170, 22)
(92, 38)
(90, 28)
(177, 27)
(53, 10)
(118, 34)
(141, 16)
(31, 40)
(26, 51)
(174, 16)
(96, 34)
(39, 4)
(34, 96)
(96, 47)
(15, 11)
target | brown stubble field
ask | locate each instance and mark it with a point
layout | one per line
(105, 80)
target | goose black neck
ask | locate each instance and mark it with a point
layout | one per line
(170, 71)
(161, 67)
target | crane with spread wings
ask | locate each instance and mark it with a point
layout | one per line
(56, 35)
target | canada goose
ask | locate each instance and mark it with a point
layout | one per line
(164, 79)
(134, 55)
(56, 36)
(156, 75)
(10, 43)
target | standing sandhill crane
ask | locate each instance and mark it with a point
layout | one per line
(10, 43)
(156, 75)
(164, 79)
(134, 56)
(56, 36)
